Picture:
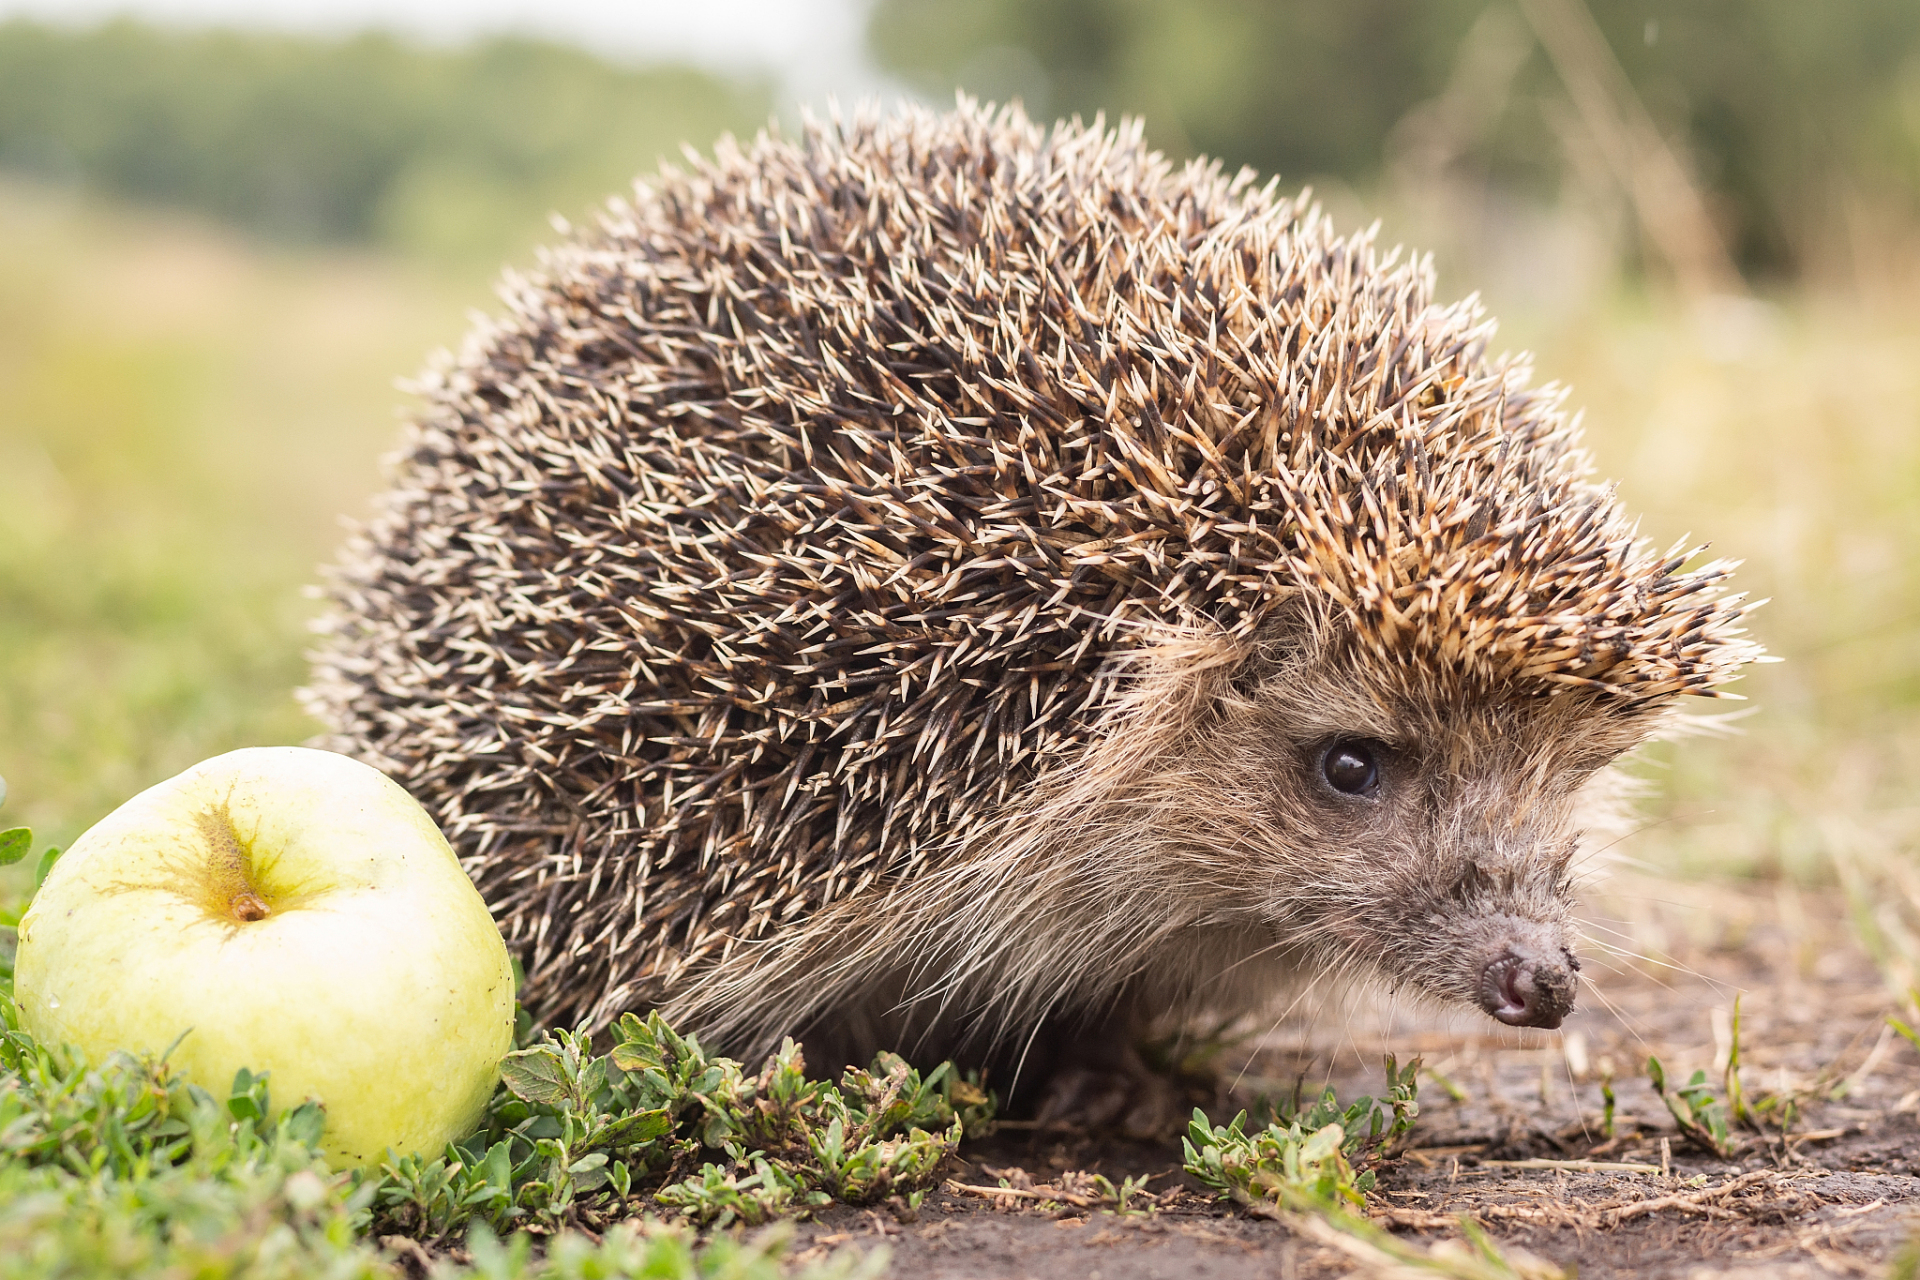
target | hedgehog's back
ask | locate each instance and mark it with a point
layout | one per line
(797, 518)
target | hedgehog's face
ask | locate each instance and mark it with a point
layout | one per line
(1430, 839)
(1466, 869)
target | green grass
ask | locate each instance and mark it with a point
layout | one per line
(121, 1168)
(453, 154)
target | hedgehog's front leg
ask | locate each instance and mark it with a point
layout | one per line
(1096, 1079)
(1074, 1072)
(904, 971)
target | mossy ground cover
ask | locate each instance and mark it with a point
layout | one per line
(184, 417)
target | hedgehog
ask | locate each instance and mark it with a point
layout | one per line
(943, 583)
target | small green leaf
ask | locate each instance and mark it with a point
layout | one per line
(497, 1168)
(47, 860)
(592, 1079)
(305, 1123)
(1321, 1144)
(15, 844)
(632, 1130)
(536, 1075)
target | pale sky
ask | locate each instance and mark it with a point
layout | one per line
(815, 47)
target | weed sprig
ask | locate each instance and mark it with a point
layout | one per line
(1710, 1122)
(1700, 1117)
(1312, 1170)
(571, 1135)
(1321, 1152)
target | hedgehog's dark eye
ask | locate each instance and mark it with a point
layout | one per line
(1350, 766)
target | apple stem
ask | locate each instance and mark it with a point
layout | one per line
(232, 866)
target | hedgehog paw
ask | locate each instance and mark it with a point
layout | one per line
(1123, 1097)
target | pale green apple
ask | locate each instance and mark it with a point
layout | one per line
(291, 911)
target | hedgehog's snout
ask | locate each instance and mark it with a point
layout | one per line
(1529, 986)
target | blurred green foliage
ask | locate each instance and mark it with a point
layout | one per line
(1792, 114)
(1789, 110)
(1294, 89)
(185, 416)
(458, 153)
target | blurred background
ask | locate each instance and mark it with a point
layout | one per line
(227, 228)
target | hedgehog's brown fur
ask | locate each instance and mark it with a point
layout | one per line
(866, 566)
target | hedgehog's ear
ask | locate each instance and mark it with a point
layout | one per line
(1250, 674)
(1291, 634)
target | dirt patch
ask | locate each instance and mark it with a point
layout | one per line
(1518, 1142)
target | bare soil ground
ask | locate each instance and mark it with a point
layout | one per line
(1832, 1197)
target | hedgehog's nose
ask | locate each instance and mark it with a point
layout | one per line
(1523, 988)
